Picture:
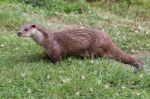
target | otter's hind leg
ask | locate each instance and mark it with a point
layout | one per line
(46, 57)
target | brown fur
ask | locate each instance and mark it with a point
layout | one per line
(83, 43)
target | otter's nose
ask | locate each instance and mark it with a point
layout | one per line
(19, 33)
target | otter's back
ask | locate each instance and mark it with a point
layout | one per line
(74, 40)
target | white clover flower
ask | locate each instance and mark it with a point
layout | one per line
(48, 76)
(2, 45)
(65, 80)
(56, 13)
(117, 94)
(141, 75)
(23, 74)
(16, 48)
(81, 27)
(77, 93)
(91, 89)
(123, 87)
(140, 28)
(69, 59)
(99, 82)
(83, 77)
(148, 45)
(106, 86)
(91, 61)
(9, 81)
(137, 94)
(29, 91)
(136, 31)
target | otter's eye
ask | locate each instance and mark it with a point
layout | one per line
(25, 29)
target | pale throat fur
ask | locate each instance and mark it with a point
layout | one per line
(37, 36)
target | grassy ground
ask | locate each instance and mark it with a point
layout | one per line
(24, 74)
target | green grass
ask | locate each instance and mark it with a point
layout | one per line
(24, 74)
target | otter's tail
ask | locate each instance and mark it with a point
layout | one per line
(121, 56)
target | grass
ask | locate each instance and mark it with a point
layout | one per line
(24, 74)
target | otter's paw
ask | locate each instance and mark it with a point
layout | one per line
(46, 57)
(139, 66)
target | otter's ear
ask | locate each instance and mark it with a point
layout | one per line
(33, 25)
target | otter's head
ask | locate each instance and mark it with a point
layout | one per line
(31, 30)
(27, 30)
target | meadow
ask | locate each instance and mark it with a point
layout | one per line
(25, 75)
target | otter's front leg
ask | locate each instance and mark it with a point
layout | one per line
(54, 52)
(55, 58)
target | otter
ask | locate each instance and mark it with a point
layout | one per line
(76, 42)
